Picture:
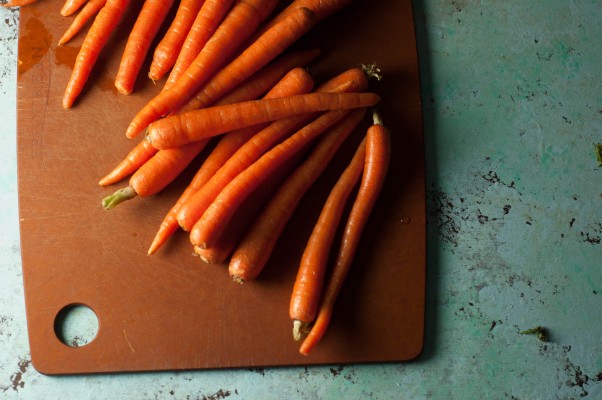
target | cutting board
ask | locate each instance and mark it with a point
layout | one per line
(169, 311)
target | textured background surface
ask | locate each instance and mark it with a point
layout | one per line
(512, 108)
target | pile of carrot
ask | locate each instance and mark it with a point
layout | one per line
(230, 80)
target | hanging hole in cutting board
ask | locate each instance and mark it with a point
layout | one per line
(76, 325)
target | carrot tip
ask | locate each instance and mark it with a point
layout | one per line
(132, 131)
(67, 102)
(126, 193)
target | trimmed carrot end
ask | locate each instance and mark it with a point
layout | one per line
(376, 118)
(238, 280)
(123, 89)
(300, 328)
(155, 74)
(297, 330)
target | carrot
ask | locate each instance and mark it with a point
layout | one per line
(155, 174)
(210, 225)
(262, 51)
(192, 210)
(307, 290)
(168, 48)
(321, 8)
(136, 157)
(90, 9)
(104, 24)
(259, 83)
(378, 153)
(191, 126)
(249, 152)
(296, 81)
(239, 24)
(221, 249)
(71, 6)
(255, 248)
(147, 25)
(203, 27)
(250, 89)
(18, 3)
(247, 146)
(214, 255)
(223, 246)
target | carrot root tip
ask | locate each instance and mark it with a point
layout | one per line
(238, 280)
(126, 193)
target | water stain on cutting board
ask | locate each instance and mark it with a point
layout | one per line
(33, 45)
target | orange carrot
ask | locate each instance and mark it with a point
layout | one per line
(90, 10)
(255, 248)
(203, 27)
(71, 6)
(259, 83)
(136, 157)
(378, 153)
(104, 24)
(223, 246)
(307, 290)
(145, 29)
(253, 148)
(154, 175)
(262, 51)
(239, 24)
(191, 126)
(296, 81)
(213, 255)
(321, 8)
(250, 89)
(244, 146)
(192, 210)
(217, 215)
(168, 48)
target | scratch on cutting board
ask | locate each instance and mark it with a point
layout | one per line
(128, 341)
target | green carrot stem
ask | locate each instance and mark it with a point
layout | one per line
(126, 193)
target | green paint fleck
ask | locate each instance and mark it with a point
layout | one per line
(540, 331)
(598, 150)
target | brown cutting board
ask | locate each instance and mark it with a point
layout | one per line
(169, 311)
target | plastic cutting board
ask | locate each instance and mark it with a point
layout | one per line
(169, 311)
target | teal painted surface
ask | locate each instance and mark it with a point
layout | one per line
(512, 100)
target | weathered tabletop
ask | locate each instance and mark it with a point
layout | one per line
(512, 112)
